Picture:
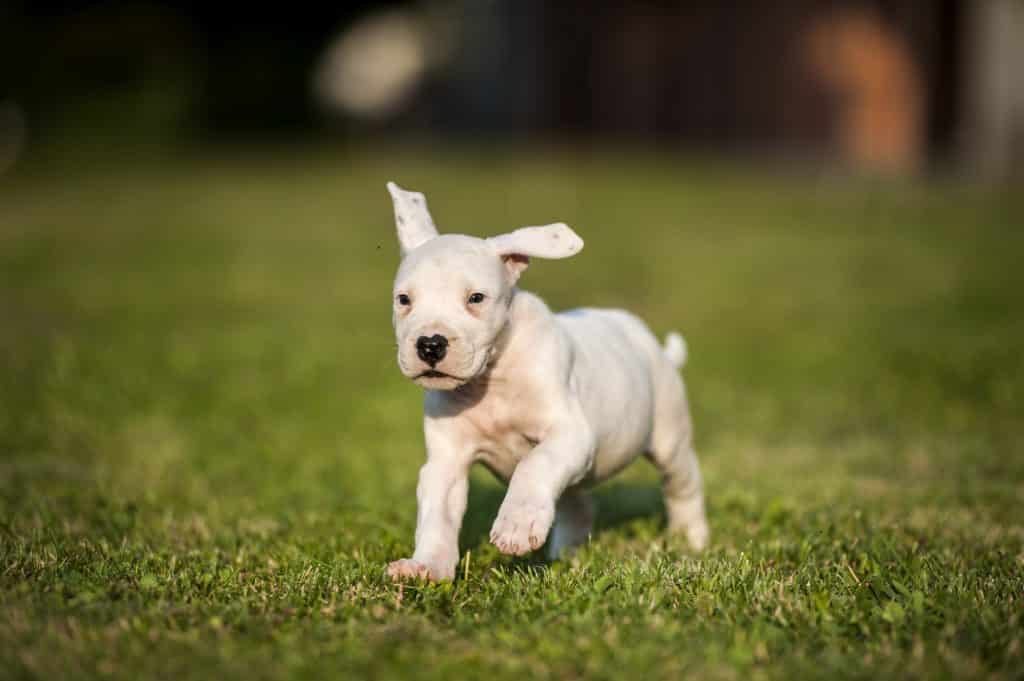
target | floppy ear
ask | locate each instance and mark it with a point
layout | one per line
(412, 219)
(550, 241)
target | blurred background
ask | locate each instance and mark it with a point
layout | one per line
(892, 86)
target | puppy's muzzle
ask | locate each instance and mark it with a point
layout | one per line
(432, 349)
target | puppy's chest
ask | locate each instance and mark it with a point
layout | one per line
(507, 426)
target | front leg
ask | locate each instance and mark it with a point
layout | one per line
(441, 503)
(526, 514)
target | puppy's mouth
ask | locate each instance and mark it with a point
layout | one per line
(438, 380)
(438, 377)
(432, 373)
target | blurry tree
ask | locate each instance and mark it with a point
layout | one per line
(882, 84)
(123, 71)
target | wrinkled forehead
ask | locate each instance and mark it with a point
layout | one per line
(447, 258)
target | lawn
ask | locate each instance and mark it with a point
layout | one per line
(208, 454)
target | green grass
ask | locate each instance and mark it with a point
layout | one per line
(208, 455)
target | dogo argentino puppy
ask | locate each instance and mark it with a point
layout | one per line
(550, 403)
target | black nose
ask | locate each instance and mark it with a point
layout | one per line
(432, 350)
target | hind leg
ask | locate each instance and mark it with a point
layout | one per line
(671, 452)
(574, 520)
(683, 490)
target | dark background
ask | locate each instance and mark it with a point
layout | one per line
(889, 85)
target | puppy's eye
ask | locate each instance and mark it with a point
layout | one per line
(476, 298)
(402, 299)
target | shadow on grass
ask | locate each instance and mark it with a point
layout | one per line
(618, 504)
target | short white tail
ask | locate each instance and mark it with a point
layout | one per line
(675, 349)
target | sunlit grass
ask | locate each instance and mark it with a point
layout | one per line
(207, 454)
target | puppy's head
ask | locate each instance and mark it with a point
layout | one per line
(452, 292)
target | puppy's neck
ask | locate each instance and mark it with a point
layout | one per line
(510, 348)
(525, 311)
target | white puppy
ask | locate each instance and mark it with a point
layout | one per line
(549, 403)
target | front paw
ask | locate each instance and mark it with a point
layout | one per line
(408, 569)
(522, 525)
